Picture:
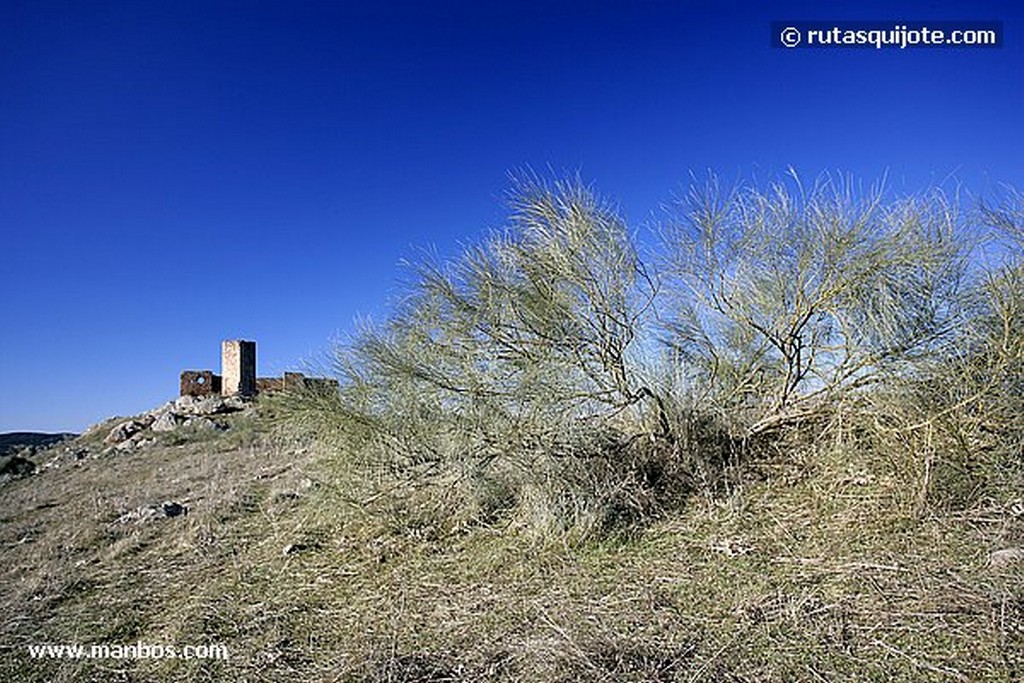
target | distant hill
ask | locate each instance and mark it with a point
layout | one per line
(12, 442)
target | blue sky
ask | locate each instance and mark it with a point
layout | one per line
(176, 173)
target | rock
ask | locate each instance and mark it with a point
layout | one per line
(139, 440)
(184, 404)
(210, 405)
(173, 509)
(142, 514)
(237, 403)
(1005, 557)
(148, 513)
(165, 422)
(127, 445)
(120, 432)
(202, 424)
(126, 430)
(157, 412)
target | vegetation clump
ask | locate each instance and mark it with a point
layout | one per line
(566, 375)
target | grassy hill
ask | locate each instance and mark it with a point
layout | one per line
(801, 571)
(787, 446)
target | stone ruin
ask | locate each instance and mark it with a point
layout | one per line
(238, 375)
(200, 383)
(238, 367)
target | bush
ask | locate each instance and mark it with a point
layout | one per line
(788, 301)
(970, 404)
(509, 374)
(550, 378)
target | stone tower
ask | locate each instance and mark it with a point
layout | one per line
(238, 367)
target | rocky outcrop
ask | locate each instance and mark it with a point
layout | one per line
(165, 422)
(127, 430)
(184, 419)
(194, 413)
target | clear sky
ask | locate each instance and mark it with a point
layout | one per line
(175, 173)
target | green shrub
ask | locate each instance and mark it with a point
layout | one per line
(787, 301)
(509, 375)
(549, 377)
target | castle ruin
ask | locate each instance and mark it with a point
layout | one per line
(238, 375)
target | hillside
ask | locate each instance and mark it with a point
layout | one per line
(244, 538)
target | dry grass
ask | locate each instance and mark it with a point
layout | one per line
(821, 569)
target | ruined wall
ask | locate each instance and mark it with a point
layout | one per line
(238, 367)
(265, 384)
(298, 381)
(294, 381)
(200, 383)
(238, 376)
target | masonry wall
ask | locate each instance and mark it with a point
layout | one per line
(200, 383)
(269, 384)
(238, 376)
(238, 367)
(295, 381)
